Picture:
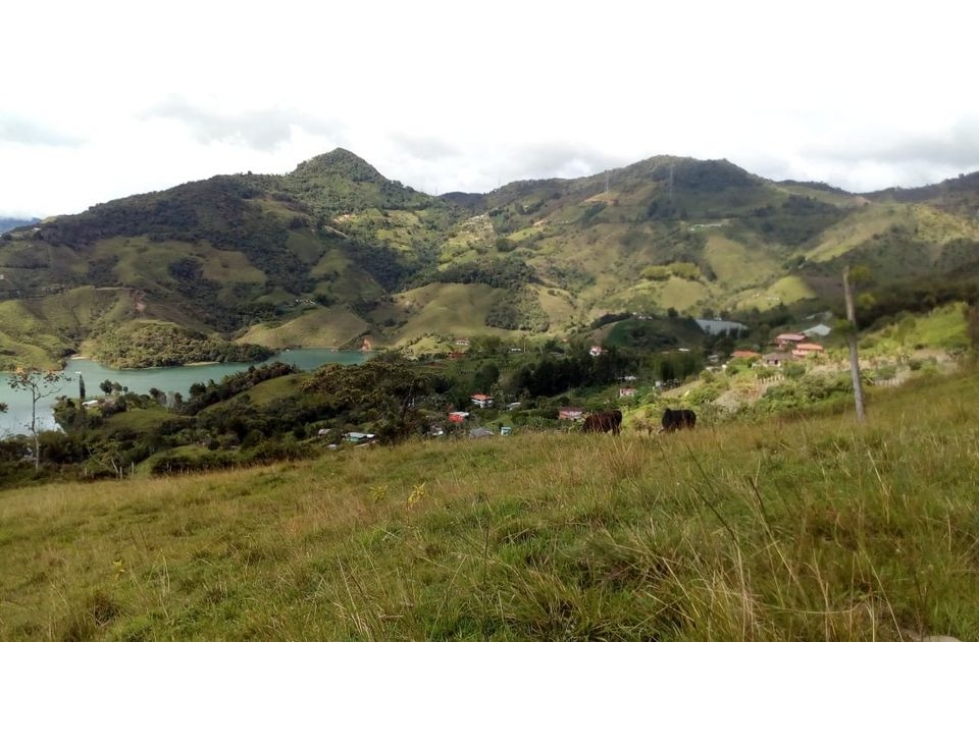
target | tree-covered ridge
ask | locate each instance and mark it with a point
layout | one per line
(9, 223)
(160, 344)
(334, 236)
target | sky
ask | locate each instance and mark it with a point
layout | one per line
(100, 100)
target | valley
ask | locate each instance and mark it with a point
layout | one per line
(334, 253)
(429, 478)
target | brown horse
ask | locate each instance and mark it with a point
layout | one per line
(603, 422)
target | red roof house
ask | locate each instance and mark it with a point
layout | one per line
(807, 350)
(481, 400)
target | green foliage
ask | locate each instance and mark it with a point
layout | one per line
(505, 245)
(610, 318)
(509, 272)
(384, 392)
(519, 310)
(971, 313)
(590, 213)
(795, 221)
(687, 270)
(220, 256)
(38, 384)
(160, 344)
(202, 396)
(554, 375)
(710, 176)
(653, 334)
(656, 272)
(793, 370)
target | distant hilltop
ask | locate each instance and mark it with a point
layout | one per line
(9, 223)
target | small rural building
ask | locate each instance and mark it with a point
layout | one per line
(596, 351)
(358, 438)
(777, 359)
(462, 342)
(627, 392)
(482, 401)
(458, 416)
(807, 350)
(570, 414)
(745, 354)
(785, 341)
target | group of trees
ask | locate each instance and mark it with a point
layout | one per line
(162, 344)
(505, 272)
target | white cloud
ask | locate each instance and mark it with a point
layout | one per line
(455, 96)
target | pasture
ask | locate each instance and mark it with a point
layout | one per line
(810, 529)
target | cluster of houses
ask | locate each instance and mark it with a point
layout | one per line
(790, 347)
(793, 346)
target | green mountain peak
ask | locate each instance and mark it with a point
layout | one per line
(340, 163)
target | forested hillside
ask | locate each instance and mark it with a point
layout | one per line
(334, 252)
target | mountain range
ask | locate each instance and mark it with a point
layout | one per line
(333, 254)
(9, 223)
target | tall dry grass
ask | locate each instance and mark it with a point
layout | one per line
(816, 529)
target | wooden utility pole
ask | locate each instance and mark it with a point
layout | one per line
(851, 339)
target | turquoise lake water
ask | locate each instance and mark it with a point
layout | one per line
(166, 379)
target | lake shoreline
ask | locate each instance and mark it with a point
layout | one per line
(142, 380)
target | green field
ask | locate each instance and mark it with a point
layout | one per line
(806, 529)
(320, 327)
(451, 309)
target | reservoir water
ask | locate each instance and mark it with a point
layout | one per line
(166, 379)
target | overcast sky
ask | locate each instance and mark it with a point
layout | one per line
(101, 100)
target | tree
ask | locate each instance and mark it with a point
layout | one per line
(40, 385)
(972, 327)
(857, 275)
(486, 376)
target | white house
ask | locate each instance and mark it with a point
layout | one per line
(482, 401)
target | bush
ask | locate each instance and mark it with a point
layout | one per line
(794, 370)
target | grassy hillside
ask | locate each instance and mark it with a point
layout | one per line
(449, 309)
(247, 254)
(814, 529)
(334, 327)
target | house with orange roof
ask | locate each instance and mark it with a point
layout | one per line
(482, 401)
(807, 350)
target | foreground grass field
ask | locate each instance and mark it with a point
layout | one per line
(812, 529)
